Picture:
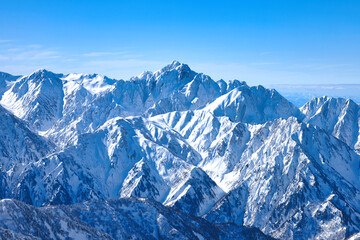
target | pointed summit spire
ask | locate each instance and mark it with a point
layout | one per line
(175, 63)
(42, 73)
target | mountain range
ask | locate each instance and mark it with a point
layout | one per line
(173, 154)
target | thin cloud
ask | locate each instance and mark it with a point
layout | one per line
(34, 55)
(14, 49)
(5, 41)
(25, 54)
(46, 55)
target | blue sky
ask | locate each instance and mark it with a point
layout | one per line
(258, 41)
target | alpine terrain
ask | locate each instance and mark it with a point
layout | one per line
(173, 154)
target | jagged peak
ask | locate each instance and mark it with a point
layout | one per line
(174, 65)
(182, 69)
(266, 105)
(261, 89)
(197, 172)
(8, 77)
(42, 74)
(323, 104)
(327, 99)
(227, 86)
(221, 81)
(81, 76)
(41, 71)
(144, 75)
(317, 102)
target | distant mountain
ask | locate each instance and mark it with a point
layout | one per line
(338, 116)
(6, 80)
(186, 156)
(299, 94)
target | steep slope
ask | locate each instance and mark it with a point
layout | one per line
(338, 116)
(22, 221)
(275, 171)
(221, 130)
(129, 219)
(231, 153)
(354, 236)
(294, 181)
(6, 80)
(253, 105)
(193, 95)
(91, 100)
(125, 157)
(37, 99)
(88, 103)
(18, 148)
(68, 105)
(204, 131)
(144, 181)
(18, 145)
(196, 195)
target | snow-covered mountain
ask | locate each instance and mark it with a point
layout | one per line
(90, 100)
(338, 116)
(18, 148)
(37, 99)
(293, 181)
(299, 94)
(6, 80)
(219, 150)
(126, 218)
